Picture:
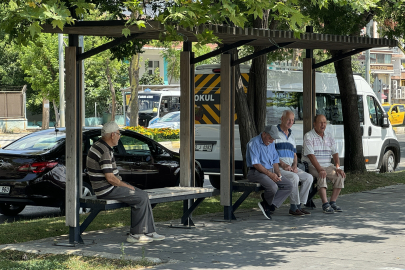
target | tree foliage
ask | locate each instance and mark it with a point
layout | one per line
(97, 88)
(41, 65)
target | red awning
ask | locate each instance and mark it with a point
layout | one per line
(383, 96)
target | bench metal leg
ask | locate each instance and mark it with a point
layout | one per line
(312, 192)
(241, 200)
(187, 211)
(228, 213)
(89, 219)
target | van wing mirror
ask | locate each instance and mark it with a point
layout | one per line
(385, 122)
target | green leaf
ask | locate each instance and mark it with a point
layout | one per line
(126, 32)
(34, 29)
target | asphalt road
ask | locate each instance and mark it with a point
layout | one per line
(32, 212)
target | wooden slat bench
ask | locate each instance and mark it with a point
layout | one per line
(158, 195)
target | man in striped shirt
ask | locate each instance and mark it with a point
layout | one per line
(319, 147)
(287, 154)
(108, 184)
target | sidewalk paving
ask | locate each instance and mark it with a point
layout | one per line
(369, 234)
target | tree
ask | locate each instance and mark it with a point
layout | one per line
(134, 80)
(40, 63)
(103, 75)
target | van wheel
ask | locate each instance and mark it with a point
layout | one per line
(215, 181)
(388, 162)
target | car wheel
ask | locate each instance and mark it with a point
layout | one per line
(9, 209)
(215, 181)
(388, 162)
(87, 190)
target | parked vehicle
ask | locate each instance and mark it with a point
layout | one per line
(170, 120)
(284, 91)
(32, 168)
(396, 113)
(154, 104)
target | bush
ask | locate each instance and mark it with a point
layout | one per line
(158, 134)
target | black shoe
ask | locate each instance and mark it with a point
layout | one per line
(271, 208)
(265, 210)
(262, 196)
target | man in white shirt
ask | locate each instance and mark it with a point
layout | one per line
(319, 147)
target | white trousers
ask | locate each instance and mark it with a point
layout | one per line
(297, 195)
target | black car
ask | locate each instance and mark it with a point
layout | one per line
(32, 170)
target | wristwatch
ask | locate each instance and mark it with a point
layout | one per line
(338, 168)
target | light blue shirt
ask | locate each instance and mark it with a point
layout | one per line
(259, 153)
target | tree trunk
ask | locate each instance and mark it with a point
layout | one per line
(134, 79)
(55, 108)
(112, 90)
(247, 127)
(45, 113)
(257, 89)
(251, 108)
(354, 158)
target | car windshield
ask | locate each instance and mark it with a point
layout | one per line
(41, 142)
(170, 117)
(386, 108)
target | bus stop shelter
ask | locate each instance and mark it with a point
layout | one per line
(232, 38)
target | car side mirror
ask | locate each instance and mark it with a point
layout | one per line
(385, 122)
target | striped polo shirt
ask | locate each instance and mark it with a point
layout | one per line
(285, 146)
(322, 148)
(100, 160)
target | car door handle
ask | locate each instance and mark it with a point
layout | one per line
(369, 131)
(137, 164)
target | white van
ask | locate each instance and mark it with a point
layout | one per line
(284, 91)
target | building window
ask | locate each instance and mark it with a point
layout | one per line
(152, 65)
(403, 83)
(380, 58)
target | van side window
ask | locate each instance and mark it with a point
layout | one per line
(376, 113)
(329, 105)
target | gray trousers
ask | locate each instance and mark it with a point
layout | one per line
(141, 210)
(274, 192)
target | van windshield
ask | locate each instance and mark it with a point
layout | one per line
(329, 105)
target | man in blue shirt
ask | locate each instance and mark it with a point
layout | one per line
(262, 161)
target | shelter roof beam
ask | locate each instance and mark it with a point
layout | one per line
(259, 53)
(221, 50)
(109, 45)
(339, 57)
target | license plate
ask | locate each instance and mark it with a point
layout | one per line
(4, 189)
(203, 147)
